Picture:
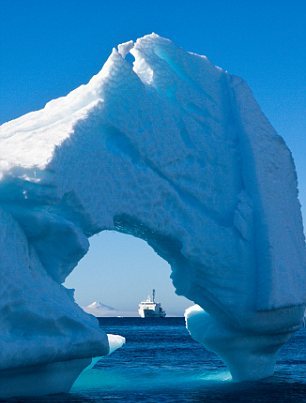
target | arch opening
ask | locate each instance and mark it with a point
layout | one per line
(119, 271)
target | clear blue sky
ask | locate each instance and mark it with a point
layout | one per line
(49, 47)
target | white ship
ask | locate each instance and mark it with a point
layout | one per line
(151, 309)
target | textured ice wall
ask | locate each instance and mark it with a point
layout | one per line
(175, 151)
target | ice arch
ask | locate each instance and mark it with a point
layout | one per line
(120, 270)
(172, 150)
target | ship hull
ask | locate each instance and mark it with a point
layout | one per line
(148, 313)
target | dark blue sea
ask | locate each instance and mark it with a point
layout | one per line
(161, 363)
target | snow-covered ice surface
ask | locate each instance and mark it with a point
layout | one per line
(175, 151)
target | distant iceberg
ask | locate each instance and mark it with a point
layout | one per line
(100, 310)
(99, 307)
(173, 150)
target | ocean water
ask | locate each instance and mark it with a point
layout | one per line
(161, 363)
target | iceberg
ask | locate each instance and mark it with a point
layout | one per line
(100, 310)
(176, 151)
(97, 309)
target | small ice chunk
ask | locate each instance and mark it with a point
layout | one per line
(115, 341)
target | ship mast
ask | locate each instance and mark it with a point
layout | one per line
(153, 294)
